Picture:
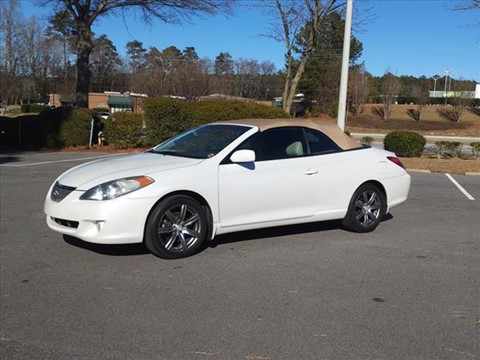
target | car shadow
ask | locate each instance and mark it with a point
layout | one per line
(258, 234)
(281, 231)
(112, 250)
(278, 231)
(8, 159)
(9, 155)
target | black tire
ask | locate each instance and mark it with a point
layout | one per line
(176, 228)
(366, 209)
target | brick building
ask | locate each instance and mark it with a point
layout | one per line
(113, 101)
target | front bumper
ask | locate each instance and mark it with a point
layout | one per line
(118, 221)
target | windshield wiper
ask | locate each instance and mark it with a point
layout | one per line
(164, 152)
(168, 152)
(176, 153)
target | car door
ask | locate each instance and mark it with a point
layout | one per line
(281, 184)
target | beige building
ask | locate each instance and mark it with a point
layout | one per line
(113, 101)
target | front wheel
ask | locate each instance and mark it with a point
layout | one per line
(367, 208)
(176, 228)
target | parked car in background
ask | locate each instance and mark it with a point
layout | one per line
(225, 177)
(103, 114)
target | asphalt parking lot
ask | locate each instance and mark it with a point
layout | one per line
(410, 290)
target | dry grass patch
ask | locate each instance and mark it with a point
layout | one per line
(451, 166)
(431, 124)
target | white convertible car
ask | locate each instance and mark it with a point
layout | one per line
(225, 177)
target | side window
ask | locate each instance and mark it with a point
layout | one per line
(320, 143)
(278, 143)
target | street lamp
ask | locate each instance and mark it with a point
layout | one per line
(447, 72)
(435, 78)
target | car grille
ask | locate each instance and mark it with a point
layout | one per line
(59, 192)
(66, 223)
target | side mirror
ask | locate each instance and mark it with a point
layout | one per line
(243, 156)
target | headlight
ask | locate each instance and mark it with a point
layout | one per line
(113, 189)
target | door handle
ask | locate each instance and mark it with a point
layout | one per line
(311, 172)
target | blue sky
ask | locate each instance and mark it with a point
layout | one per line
(406, 37)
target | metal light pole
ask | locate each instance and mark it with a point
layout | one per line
(447, 71)
(342, 98)
(435, 78)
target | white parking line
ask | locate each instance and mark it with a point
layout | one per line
(460, 187)
(58, 161)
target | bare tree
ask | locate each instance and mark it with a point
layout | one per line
(190, 80)
(9, 39)
(8, 22)
(420, 92)
(85, 13)
(358, 89)
(62, 31)
(468, 5)
(390, 88)
(461, 100)
(296, 16)
(32, 37)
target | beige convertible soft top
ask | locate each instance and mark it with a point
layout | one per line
(332, 130)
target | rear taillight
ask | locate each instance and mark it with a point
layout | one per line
(396, 161)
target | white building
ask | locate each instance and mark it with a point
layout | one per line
(450, 94)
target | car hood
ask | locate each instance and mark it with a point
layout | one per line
(93, 173)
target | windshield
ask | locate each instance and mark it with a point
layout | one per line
(202, 142)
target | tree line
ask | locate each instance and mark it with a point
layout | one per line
(65, 56)
(38, 59)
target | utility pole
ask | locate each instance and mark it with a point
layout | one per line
(342, 98)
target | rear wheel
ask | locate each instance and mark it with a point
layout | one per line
(176, 228)
(367, 208)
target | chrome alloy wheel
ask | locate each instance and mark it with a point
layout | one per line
(367, 208)
(179, 228)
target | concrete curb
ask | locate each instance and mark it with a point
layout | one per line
(423, 171)
(419, 171)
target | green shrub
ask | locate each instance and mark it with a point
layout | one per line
(34, 108)
(366, 140)
(122, 130)
(66, 126)
(405, 143)
(406, 100)
(475, 149)
(211, 111)
(165, 117)
(37, 108)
